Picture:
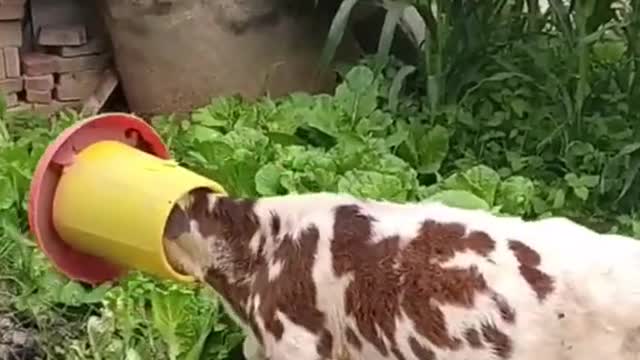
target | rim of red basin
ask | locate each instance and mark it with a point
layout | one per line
(123, 127)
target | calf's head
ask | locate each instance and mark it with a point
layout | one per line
(209, 233)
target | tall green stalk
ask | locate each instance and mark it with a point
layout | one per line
(632, 32)
(584, 9)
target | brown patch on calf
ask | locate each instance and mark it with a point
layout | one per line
(275, 225)
(421, 352)
(500, 342)
(396, 352)
(473, 338)
(479, 242)
(507, 313)
(352, 338)
(388, 278)
(293, 292)
(541, 283)
(263, 240)
(427, 280)
(372, 297)
(325, 344)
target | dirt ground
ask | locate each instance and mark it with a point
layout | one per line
(16, 340)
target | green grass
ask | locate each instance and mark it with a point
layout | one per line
(519, 112)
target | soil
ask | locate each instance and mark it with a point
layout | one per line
(16, 341)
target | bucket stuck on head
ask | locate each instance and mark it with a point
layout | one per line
(101, 197)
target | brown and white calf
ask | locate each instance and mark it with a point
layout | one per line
(327, 276)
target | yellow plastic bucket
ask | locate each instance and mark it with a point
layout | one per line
(100, 199)
(114, 201)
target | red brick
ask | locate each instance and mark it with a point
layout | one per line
(12, 62)
(62, 35)
(40, 97)
(11, 11)
(39, 64)
(10, 33)
(39, 82)
(9, 86)
(93, 46)
(80, 63)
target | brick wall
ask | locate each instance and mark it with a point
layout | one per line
(49, 65)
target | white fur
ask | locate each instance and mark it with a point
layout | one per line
(597, 284)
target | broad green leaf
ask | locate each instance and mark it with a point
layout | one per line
(287, 116)
(396, 138)
(324, 117)
(203, 133)
(629, 149)
(572, 179)
(485, 180)
(515, 195)
(559, 196)
(480, 180)
(432, 149)
(374, 185)
(268, 180)
(358, 95)
(168, 312)
(376, 122)
(582, 192)
(359, 79)
(206, 118)
(609, 51)
(590, 181)
(519, 106)
(72, 293)
(459, 199)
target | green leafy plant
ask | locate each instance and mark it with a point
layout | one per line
(511, 107)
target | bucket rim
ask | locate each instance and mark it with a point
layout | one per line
(123, 127)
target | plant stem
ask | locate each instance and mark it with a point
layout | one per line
(583, 64)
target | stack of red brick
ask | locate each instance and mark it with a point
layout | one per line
(12, 13)
(61, 67)
(69, 69)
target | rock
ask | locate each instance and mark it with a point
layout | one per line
(249, 48)
(19, 338)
